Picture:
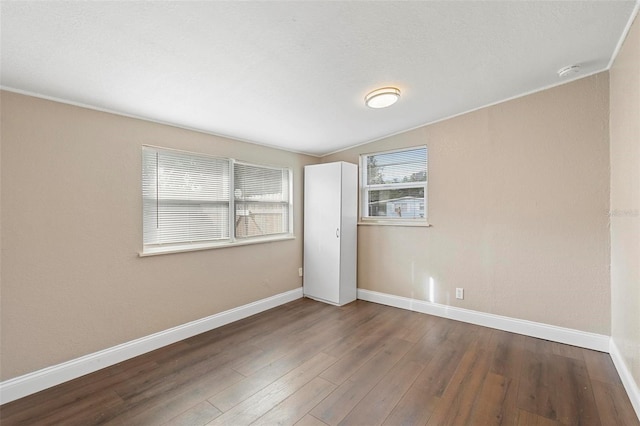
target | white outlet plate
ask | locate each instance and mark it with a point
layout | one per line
(459, 293)
(299, 272)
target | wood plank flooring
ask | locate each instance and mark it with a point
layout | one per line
(307, 363)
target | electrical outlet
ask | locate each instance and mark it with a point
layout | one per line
(299, 272)
(459, 293)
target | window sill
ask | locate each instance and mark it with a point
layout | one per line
(182, 248)
(394, 223)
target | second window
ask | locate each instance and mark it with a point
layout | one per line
(394, 185)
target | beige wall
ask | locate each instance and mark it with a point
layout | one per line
(518, 200)
(72, 281)
(625, 201)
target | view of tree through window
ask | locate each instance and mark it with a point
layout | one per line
(394, 184)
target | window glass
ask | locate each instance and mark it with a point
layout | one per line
(394, 185)
(261, 200)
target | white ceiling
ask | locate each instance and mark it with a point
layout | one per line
(294, 74)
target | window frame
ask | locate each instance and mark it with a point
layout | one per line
(232, 240)
(364, 189)
(288, 203)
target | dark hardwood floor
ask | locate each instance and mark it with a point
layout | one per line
(307, 363)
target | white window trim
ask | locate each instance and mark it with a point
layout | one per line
(183, 248)
(395, 222)
(232, 241)
(363, 199)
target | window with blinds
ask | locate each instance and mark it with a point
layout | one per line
(261, 200)
(188, 201)
(394, 185)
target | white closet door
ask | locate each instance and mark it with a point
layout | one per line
(348, 233)
(322, 198)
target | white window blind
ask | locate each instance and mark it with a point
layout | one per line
(185, 196)
(194, 201)
(262, 200)
(394, 185)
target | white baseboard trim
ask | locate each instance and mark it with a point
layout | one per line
(30, 383)
(630, 385)
(554, 333)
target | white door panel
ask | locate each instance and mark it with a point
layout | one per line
(322, 232)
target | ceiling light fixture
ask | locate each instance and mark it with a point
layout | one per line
(568, 70)
(382, 98)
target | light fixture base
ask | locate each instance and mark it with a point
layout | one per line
(382, 98)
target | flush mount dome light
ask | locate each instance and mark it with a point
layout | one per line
(382, 98)
(568, 70)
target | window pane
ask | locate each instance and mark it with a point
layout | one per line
(185, 197)
(261, 200)
(255, 219)
(407, 203)
(255, 183)
(179, 222)
(397, 167)
(190, 177)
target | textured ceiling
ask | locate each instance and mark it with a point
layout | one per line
(294, 74)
